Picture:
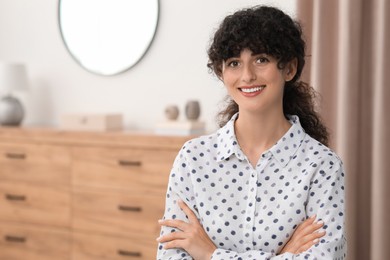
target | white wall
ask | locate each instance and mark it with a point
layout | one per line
(172, 72)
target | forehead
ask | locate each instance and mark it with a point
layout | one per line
(247, 52)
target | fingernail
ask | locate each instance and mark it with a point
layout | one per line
(313, 216)
(158, 239)
(320, 222)
(160, 220)
(315, 241)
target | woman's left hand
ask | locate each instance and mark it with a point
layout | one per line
(191, 236)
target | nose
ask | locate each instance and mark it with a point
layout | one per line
(248, 74)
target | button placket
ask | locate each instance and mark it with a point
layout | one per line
(251, 204)
(256, 208)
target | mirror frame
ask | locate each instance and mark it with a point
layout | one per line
(119, 71)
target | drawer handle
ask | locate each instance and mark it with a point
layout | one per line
(17, 156)
(15, 239)
(129, 253)
(129, 208)
(15, 197)
(129, 163)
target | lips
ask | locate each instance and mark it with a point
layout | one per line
(252, 90)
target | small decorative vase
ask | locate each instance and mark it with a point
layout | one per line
(192, 110)
(11, 111)
(172, 112)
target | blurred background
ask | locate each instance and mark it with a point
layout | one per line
(172, 71)
(348, 63)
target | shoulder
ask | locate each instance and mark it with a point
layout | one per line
(196, 150)
(328, 168)
(204, 142)
(321, 153)
(213, 141)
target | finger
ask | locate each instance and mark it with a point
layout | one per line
(316, 235)
(308, 239)
(306, 223)
(175, 223)
(174, 244)
(171, 236)
(308, 245)
(312, 228)
(190, 214)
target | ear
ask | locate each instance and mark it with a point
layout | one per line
(290, 70)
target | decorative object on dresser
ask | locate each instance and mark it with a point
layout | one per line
(82, 195)
(13, 78)
(92, 122)
(191, 126)
(192, 110)
(172, 112)
(181, 128)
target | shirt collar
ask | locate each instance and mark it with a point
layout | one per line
(227, 141)
(287, 146)
(283, 151)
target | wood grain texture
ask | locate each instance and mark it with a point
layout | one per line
(117, 213)
(97, 247)
(89, 138)
(82, 195)
(136, 170)
(28, 242)
(35, 162)
(35, 204)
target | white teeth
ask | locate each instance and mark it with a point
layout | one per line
(250, 90)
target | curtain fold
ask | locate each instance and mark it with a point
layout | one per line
(380, 248)
(349, 66)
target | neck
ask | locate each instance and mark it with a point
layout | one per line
(258, 132)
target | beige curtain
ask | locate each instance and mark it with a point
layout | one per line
(349, 64)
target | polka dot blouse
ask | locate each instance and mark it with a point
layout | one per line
(251, 212)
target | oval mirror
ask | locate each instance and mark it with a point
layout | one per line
(107, 37)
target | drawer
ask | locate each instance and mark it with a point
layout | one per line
(34, 162)
(40, 204)
(117, 213)
(21, 242)
(98, 247)
(138, 170)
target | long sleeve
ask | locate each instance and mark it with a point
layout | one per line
(175, 192)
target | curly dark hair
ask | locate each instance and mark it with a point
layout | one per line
(264, 29)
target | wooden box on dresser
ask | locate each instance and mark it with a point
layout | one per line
(82, 195)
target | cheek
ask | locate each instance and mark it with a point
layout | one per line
(228, 80)
(276, 78)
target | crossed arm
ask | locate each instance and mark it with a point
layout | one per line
(184, 237)
(193, 238)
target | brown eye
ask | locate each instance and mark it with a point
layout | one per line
(233, 63)
(262, 60)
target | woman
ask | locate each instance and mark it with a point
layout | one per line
(264, 186)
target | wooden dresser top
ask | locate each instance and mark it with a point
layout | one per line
(111, 138)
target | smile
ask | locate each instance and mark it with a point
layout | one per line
(252, 89)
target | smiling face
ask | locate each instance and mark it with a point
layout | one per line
(255, 82)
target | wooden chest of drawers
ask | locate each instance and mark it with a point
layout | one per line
(82, 195)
